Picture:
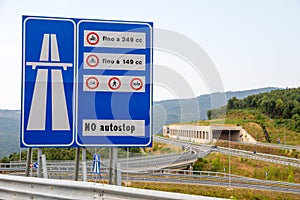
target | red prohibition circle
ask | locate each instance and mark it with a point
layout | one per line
(114, 79)
(96, 40)
(92, 56)
(92, 87)
(136, 79)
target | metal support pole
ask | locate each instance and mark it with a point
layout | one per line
(31, 163)
(20, 155)
(84, 170)
(77, 164)
(44, 164)
(28, 162)
(229, 164)
(118, 176)
(39, 169)
(110, 170)
(115, 158)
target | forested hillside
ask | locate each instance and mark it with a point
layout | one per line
(282, 105)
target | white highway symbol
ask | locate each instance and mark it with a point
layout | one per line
(37, 114)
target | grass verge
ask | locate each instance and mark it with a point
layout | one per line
(214, 191)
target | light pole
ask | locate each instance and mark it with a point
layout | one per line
(229, 165)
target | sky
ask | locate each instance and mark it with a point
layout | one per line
(252, 43)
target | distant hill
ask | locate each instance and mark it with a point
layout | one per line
(9, 131)
(165, 112)
(186, 110)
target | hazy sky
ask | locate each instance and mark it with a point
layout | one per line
(252, 43)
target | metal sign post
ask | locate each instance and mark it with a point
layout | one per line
(111, 164)
(84, 170)
(115, 159)
(28, 161)
(77, 164)
(39, 163)
(44, 164)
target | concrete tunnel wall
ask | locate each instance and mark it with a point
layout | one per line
(206, 134)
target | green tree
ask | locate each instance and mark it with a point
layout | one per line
(198, 165)
(216, 164)
(232, 103)
(209, 114)
(279, 106)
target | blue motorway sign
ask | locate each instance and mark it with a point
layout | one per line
(114, 94)
(86, 83)
(48, 82)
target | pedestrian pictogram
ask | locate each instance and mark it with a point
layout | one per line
(136, 84)
(114, 83)
(92, 38)
(92, 83)
(92, 60)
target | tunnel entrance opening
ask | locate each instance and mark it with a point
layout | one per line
(224, 135)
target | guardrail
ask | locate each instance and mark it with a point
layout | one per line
(202, 151)
(17, 187)
(131, 164)
(260, 156)
(192, 177)
(212, 178)
(188, 177)
(272, 145)
(229, 151)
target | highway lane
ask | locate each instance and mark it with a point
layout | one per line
(203, 178)
(131, 164)
(234, 152)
